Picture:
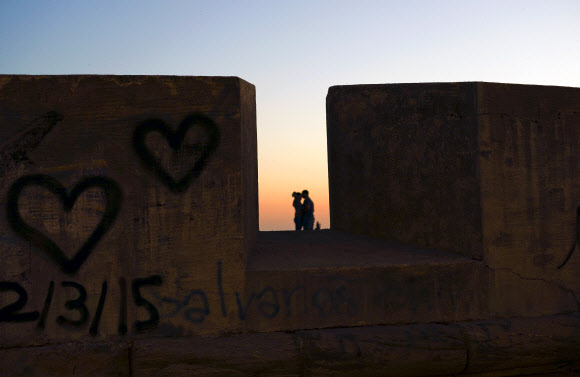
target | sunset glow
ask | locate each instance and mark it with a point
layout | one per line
(293, 52)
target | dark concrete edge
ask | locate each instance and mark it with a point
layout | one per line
(493, 347)
(377, 85)
(105, 75)
(559, 355)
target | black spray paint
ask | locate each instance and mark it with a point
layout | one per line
(175, 140)
(53, 251)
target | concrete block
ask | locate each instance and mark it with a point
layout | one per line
(529, 143)
(403, 164)
(486, 170)
(322, 279)
(116, 190)
(331, 279)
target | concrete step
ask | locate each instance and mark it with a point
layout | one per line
(298, 280)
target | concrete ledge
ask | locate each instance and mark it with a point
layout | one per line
(328, 249)
(305, 280)
(321, 279)
(500, 347)
(411, 350)
(524, 342)
(547, 345)
(273, 354)
(71, 359)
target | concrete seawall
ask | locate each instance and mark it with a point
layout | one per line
(130, 244)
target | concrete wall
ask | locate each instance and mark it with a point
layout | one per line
(403, 164)
(485, 170)
(130, 245)
(118, 190)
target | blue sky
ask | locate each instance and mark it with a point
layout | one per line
(292, 52)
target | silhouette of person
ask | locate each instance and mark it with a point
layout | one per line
(307, 211)
(297, 210)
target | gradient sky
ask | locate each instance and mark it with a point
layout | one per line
(293, 51)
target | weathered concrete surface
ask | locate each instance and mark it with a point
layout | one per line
(326, 249)
(129, 238)
(490, 171)
(452, 165)
(175, 196)
(529, 158)
(509, 347)
(402, 162)
(330, 279)
(298, 280)
(561, 370)
(71, 359)
(412, 350)
(273, 354)
(508, 344)
(14, 150)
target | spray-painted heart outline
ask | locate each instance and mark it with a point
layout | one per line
(113, 195)
(175, 139)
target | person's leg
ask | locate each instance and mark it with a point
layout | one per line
(308, 222)
(298, 222)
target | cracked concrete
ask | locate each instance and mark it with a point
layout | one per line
(514, 295)
(564, 288)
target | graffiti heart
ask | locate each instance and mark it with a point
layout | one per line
(176, 140)
(113, 196)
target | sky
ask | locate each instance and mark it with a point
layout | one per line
(293, 51)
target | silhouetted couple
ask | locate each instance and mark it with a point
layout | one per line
(304, 211)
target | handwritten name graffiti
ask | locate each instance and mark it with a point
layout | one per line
(194, 306)
(267, 302)
(76, 314)
(202, 150)
(576, 242)
(113, 196)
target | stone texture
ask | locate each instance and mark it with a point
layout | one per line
(474, 168)
(486, 170)
(72, 359)
(508, 344)
(529, 143)
(412, 350)
(500, 347)
(402, 162)
(273, 354)
(176, 198)
(331, 279)
(334, 279)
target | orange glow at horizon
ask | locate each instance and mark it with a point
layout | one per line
(275, 201)
(292, 157)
